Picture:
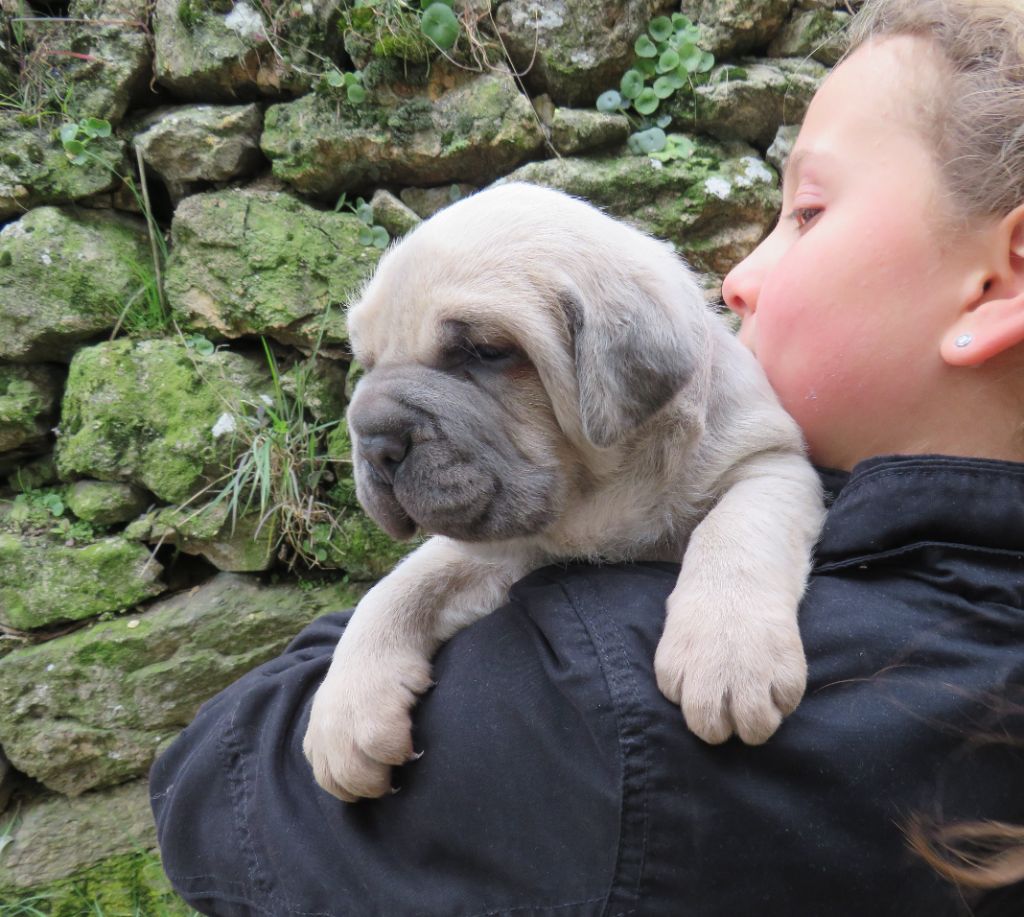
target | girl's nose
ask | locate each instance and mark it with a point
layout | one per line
(740, 288)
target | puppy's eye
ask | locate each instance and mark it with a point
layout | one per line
(491, 353)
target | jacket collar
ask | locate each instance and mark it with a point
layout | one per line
(888, 504)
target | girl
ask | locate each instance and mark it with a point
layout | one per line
(887, 308)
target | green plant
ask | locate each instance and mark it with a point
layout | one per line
(188, 14)
(667, 59)
(199, 344)
(351, 81)
(37, 507)
(42, 511)
(151, 314)
(370, 233)
(143, 313)
(282, 470)
(403, 29)
(26, 907)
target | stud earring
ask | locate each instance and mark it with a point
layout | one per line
(963, 340)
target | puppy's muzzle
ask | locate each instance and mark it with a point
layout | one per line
(434, 452)
(385, 452)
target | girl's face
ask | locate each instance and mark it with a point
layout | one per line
(845, 303)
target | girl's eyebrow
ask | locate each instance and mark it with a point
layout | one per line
(797, 160)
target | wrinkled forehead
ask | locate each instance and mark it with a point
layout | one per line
(422, 298)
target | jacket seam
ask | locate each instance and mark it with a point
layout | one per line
(862, 559)
(621, 686)
(963, 469)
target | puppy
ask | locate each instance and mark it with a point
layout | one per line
(545, 383)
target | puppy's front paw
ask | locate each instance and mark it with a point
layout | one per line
(730, 669)
(360, 723)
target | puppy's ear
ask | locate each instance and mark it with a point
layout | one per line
(632, 355)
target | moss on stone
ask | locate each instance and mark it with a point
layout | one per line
(105, 502)
(128, 884)
(69, 273)
(35, 169)
(145, 413)
(42, 583)
(90, 708)
(714, 205)
(28, 400)
(459, 129)
(265, 263)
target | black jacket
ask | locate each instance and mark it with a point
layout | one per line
(557, 781)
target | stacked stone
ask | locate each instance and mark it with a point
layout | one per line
(128, 594)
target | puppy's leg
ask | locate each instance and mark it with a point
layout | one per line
(731, 654)
(360, 723)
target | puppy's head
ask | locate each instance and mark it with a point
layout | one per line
(508, 341)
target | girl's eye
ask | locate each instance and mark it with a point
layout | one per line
(804, 215)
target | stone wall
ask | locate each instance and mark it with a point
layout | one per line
(183, 201)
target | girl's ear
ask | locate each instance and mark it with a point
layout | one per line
(993, 322)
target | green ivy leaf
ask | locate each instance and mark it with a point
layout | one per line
(364, 211)
(380, 237)
(668, 61)
(335, 78)
(646, 142)
(663, 87)
(631, 84)
(68, 132)
(680, 78)
(689, 56)
(644, 47)
(609, 101)
(679, 21)
(707, 61)
(646, 66)
(660, 28)
(440, 25)
(74, 147)
(676, 147)
(96, 127)
(356, 94)
(365, 235)
(647, 102)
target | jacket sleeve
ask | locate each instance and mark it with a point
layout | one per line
(515, 806)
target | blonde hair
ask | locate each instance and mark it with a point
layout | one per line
(976, 123)
(982, 854)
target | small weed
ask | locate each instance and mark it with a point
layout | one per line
(351, 81)
(667, 59)
(76, 136)
(406, 30)
(42, 511)
(369, 233)
(35, 509)
(26, 907)
(146, 310)
(143, 314)
(281, 470)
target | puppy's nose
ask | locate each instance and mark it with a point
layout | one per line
(385, 452)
